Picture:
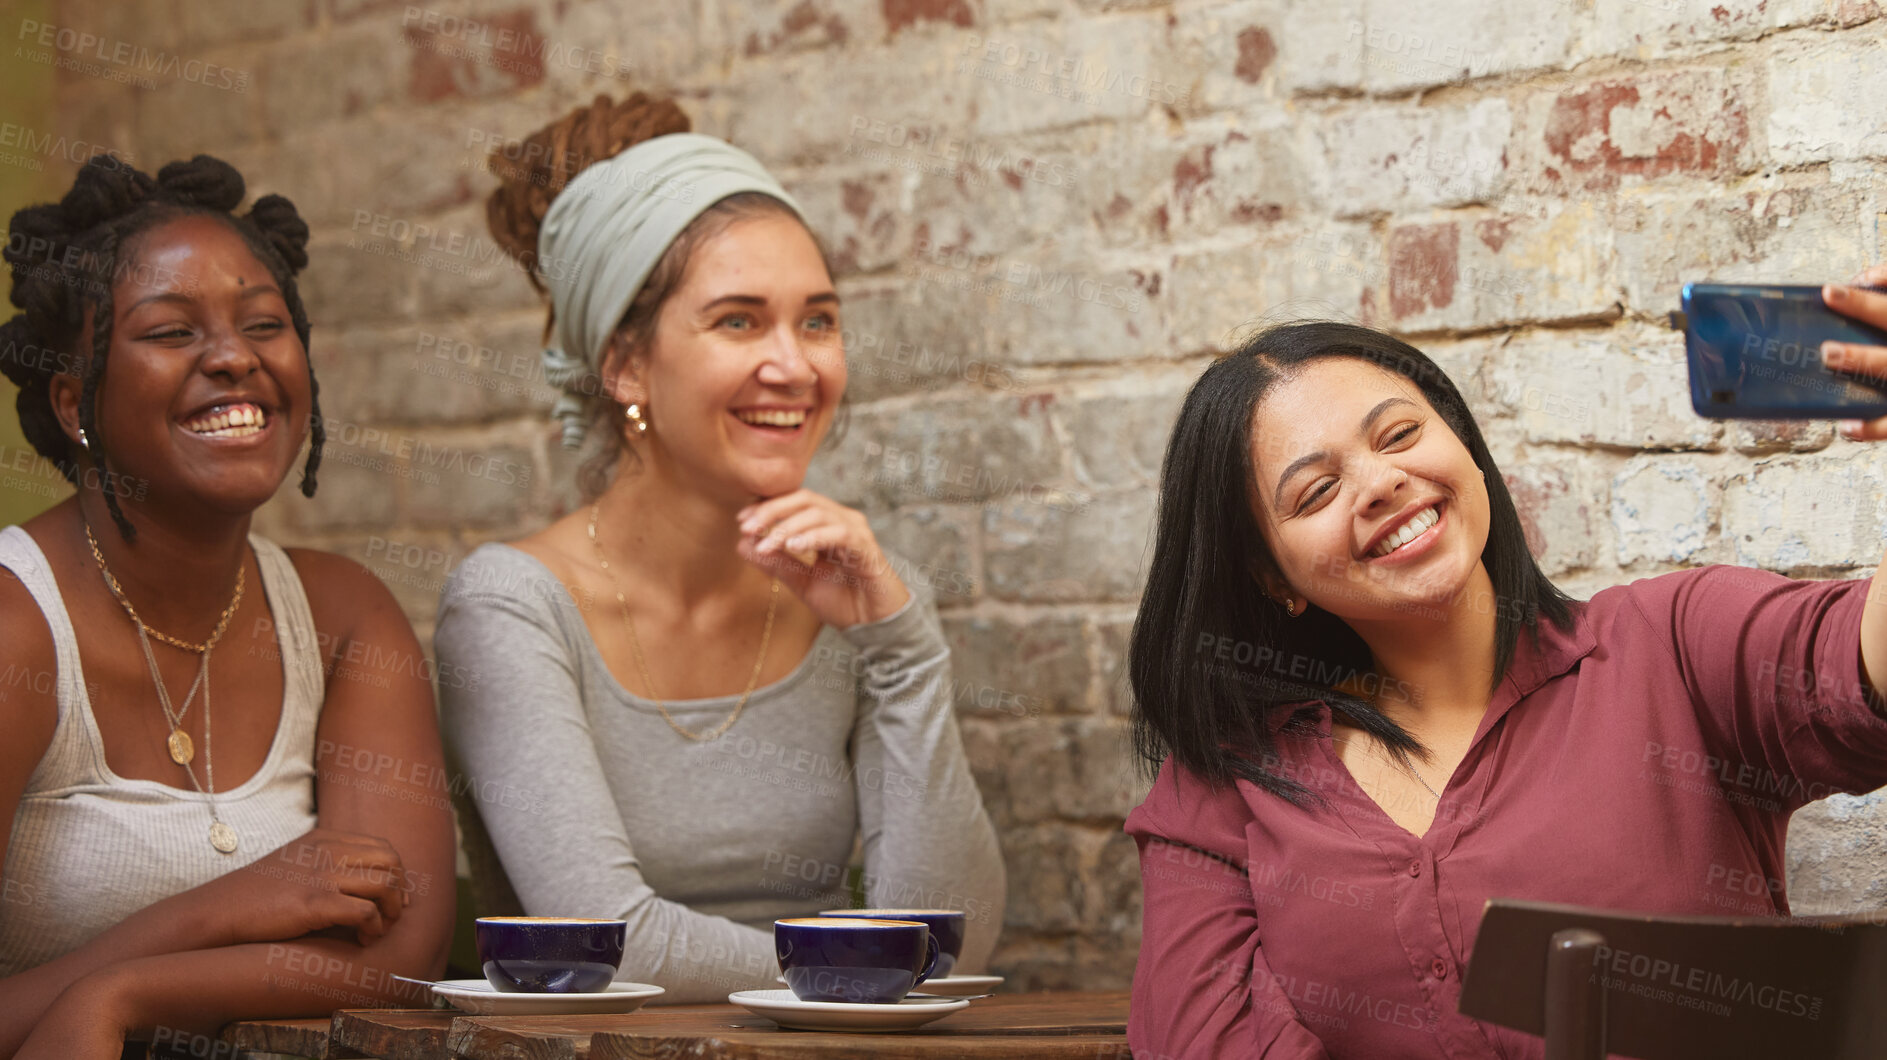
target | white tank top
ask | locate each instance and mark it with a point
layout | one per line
(90, 847)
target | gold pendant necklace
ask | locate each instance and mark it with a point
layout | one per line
(753, 679)
(182, 750)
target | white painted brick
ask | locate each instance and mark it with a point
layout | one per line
(1384, 159)
(1409, 44)
(1820, 105)
(1218, 295)
(1663, 511)
(1453, 272)
(1821, 511)
(1561, 502)
(1625, 387)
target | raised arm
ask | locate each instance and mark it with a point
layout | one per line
(1775, 670)
(380, 862)
(928, 842)
(515, 724)
(1868, 307)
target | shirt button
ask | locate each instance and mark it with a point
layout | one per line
(1440, 968)
(1415, 868)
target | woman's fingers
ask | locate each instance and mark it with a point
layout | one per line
(1857, 302)
(829, 537)
(1872, 276)
(757, 517)
(1856, 358)
(351, 911)
(785, 534)
(1860, 431)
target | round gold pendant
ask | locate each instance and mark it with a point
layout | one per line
(181, 749)
(223, 837)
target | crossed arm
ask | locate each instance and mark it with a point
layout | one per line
(367, 894)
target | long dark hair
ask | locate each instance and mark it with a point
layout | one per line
(65, 256)
(1204, 620)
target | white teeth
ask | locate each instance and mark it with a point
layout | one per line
(773, 417)
(1409, 531)
(236, 422)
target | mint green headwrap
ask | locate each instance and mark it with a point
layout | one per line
(604, 234)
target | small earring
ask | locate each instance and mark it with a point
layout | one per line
(1290, 606)
(84, 442)
(634, 415)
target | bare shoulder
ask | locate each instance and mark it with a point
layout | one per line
(343, 595)
(29, 682)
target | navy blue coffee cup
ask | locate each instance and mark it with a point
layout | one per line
(851, 960)
(946, 926)
(549, 955)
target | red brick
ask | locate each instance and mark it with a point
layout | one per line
(1422, 267)
(900, 14)
(1596, 136)
(1256, 49)
(480, 56)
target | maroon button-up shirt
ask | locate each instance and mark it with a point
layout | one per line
(1648, 759)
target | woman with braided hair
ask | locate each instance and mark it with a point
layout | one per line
(190, 836)
(750, 688)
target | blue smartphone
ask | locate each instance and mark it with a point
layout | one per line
(1755, 353)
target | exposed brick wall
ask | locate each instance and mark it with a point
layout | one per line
(1049, 215)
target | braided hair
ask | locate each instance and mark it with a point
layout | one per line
(65, 258)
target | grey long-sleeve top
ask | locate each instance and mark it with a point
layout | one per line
(595, 807)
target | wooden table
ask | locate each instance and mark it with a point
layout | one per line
(1056, 1026)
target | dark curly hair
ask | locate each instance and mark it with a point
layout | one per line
(65, 258)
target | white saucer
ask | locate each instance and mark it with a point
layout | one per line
(950, 986)
(481, 998)
(958, 985)
(783, 1008)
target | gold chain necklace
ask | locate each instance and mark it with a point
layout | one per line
(182, 751)
(753, 679)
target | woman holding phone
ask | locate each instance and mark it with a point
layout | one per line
(715, 674)
(189, 837)
(1371, 711)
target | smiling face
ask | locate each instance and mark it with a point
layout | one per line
(1351, 461)
(745, 368)
(206, 392)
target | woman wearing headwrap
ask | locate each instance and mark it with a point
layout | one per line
(713, 677)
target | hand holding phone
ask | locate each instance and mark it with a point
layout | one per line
(1756, 351)
(1866, 302)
